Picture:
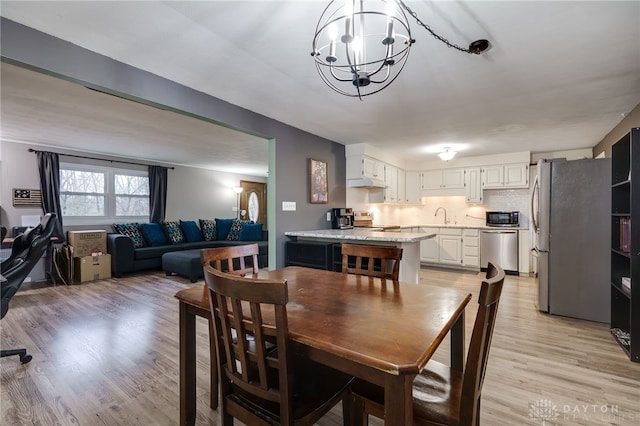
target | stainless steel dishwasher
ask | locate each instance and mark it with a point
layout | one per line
(500, 247)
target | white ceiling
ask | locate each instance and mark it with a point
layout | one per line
(560, 74)
(44, 110)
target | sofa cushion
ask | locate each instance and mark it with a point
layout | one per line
(156, 252)
(131, 230)
(236, 227)
(208, 228)
(191, 231)
(173, 231)
(251, 232)
(154, 234)
(223, 226)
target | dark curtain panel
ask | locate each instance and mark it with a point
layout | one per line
(49, 168)
(157, 193)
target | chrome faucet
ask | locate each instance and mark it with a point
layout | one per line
(445, 214)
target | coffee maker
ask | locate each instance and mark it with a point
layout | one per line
(342, 218)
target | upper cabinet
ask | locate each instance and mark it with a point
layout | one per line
(473, 185)
(413, 193)
(388, 182)
(373, 169)
(391, 181)
(402, 186)
(443, 179)
(505, 176)
(361, 166)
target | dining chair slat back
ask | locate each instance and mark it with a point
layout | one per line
(232, 259)
(443, 395)
(261, 381)
(374, 261)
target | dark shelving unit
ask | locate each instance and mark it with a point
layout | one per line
(310, 254)
(625, 243)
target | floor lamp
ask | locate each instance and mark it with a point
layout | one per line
(237, 190)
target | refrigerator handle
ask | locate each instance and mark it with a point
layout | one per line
(533, 213)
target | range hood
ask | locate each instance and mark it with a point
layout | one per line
(366, 183)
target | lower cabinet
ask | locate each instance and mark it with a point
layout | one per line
(471, 247)
(450, 246)
(430, 248)
(524, 252)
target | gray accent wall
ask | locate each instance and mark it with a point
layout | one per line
(293, 147)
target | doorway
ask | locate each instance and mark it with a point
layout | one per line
(253, 202)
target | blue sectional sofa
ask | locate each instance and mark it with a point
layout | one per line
(138, 247)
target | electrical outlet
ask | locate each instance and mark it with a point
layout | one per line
(328, 216)
(288, 206)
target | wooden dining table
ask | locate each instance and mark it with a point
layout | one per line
(381, 331)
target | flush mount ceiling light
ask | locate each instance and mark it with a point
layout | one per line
(447, 154)
(361, 46)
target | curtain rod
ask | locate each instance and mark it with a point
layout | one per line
(99, 159)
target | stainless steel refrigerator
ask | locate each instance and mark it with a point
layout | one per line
(571, 237)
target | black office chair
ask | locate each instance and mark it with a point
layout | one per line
(26, 251)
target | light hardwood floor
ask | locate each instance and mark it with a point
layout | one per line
(106, 353)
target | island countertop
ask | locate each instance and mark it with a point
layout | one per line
(363, 235)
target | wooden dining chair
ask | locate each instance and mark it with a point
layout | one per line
(232, 259)
(262, 382)
(442, 395)
(374, 261)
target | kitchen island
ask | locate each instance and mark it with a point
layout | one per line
(408, 241)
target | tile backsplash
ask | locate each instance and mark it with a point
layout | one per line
(458, 211)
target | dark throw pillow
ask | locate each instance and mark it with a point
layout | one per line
(236, 227)
(223, 226)
(173, 231)
(154, 234)
(208, 228)
(191, 231)
(131, 230)
(251, 232)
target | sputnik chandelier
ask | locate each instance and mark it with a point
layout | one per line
(361, 46)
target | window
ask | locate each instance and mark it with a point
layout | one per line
(90, 194)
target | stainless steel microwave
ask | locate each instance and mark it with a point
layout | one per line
(503, 219)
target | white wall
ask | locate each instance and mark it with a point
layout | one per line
(18, 169)
(202, 194)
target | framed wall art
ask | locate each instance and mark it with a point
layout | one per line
(318, 184)
(27, 197)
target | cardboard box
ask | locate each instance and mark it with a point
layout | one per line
(90, 268)
(86, 243)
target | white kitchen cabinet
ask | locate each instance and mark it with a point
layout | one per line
(450, 240)
(524, 252)
(473, 185)
(443, 179)
(412, 187)
(471, 247)
(431, 179)
(361, 166)
(492, 177)
(391, 181)
(516, 176)
(401, 185)
(505, 176)
(430, 248)
(459, 247)
(372, 168)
